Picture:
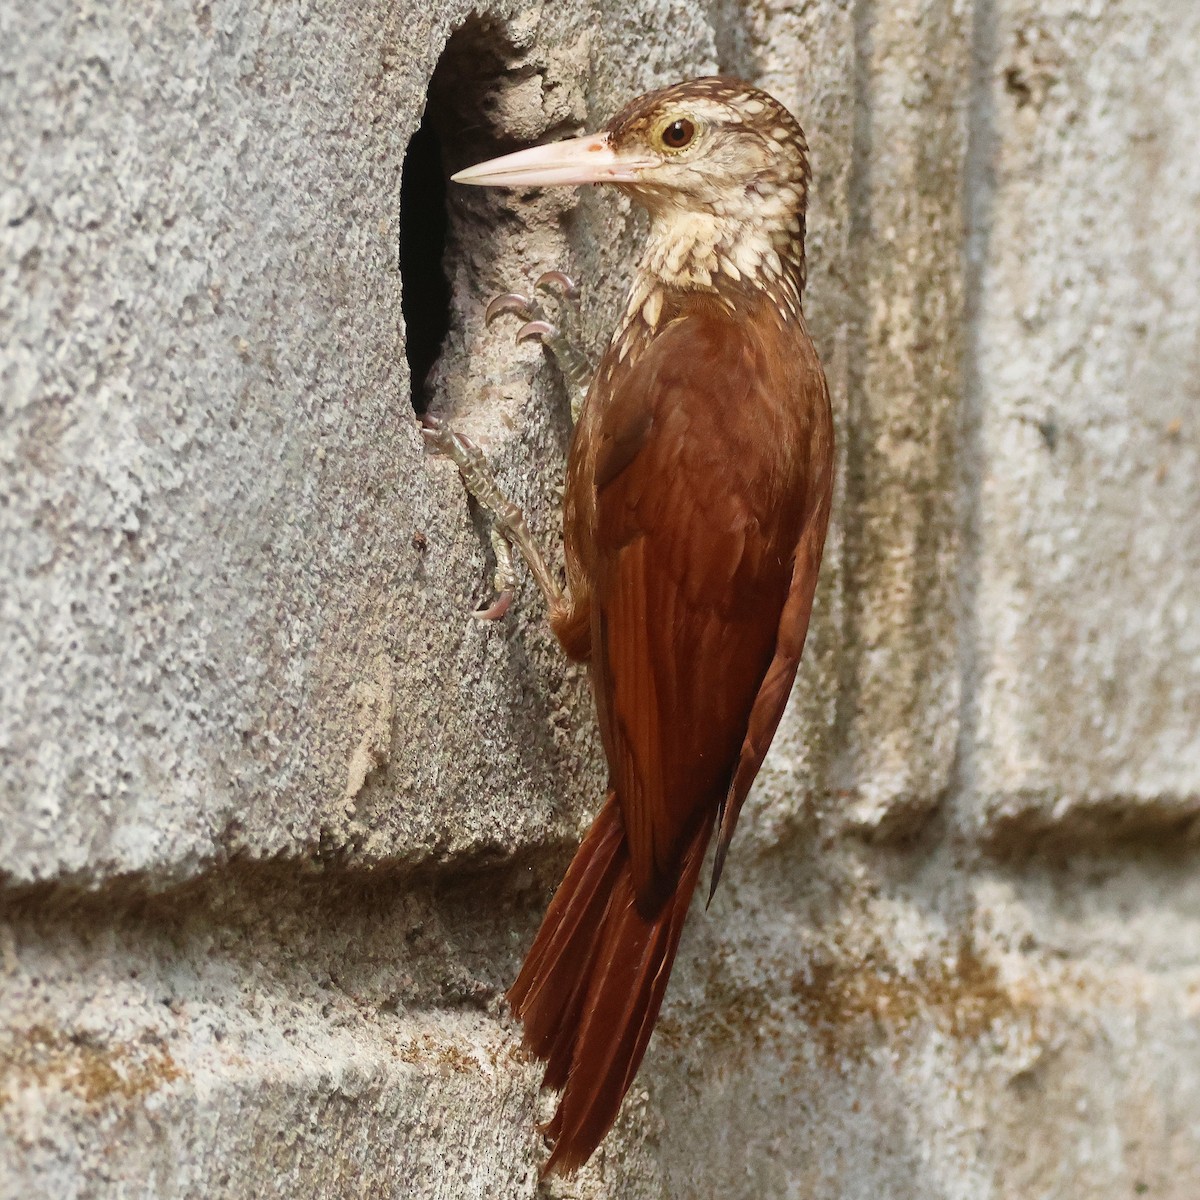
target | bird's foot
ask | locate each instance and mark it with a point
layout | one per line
(558, 332)
(508, 528)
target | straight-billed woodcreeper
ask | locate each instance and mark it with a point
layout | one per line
(697, 498)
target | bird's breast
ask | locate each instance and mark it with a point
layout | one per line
(722, 394)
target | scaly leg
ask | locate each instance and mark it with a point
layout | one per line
(508, 530)
(508, 527)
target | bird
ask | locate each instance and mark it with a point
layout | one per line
(697, 498)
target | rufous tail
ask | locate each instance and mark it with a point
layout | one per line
(593, 981)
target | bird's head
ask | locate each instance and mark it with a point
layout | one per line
(711, 154)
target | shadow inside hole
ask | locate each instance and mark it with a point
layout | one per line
(457, 129)
(425, 292)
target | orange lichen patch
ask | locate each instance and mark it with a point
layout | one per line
(845, 1003)
(429, 1051)
(851, 1000)
(76, 1065)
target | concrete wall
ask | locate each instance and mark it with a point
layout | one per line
(279, 818)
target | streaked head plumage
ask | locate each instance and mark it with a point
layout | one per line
(714, 144)
(722, 168)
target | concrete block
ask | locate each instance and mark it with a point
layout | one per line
(1027, 1033)
(235, 607)
(216, 1041)
(1084, 394)
(899, 706)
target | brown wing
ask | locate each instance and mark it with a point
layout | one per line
(776, 687)
(703, 481)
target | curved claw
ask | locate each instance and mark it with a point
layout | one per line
(441, 437)
(535, 329)
(433, 431)
(557, 281)
(510, 302)
(497, 609)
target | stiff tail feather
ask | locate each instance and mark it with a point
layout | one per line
(592, 984)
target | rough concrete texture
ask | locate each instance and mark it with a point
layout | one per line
(232, 557)
(1086, 568)
(279, 818)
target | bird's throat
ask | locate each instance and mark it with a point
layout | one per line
(722, 255)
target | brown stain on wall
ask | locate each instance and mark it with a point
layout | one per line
(435, 1055)
(91, 1071)
(850, 1002)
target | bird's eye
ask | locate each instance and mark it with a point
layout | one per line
(678, 134)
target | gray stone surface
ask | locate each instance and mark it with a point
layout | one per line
(226, 1042)
(278, 819)
(220, 633)
(1086, 564)
(899, 699)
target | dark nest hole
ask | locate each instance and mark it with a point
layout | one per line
(455, 131)
(425, 296)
